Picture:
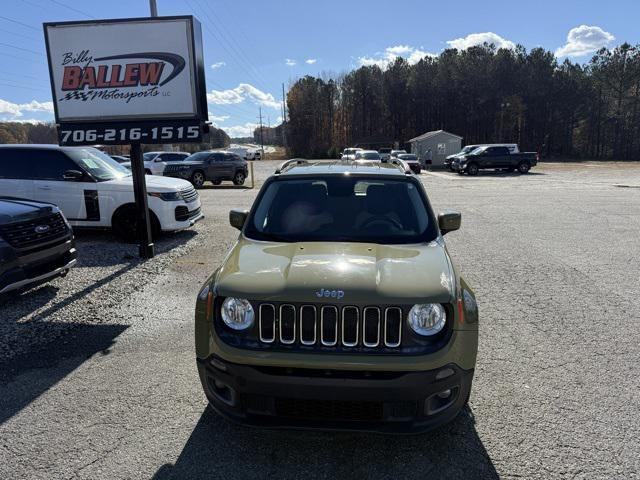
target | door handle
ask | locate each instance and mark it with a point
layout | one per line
(46, 187)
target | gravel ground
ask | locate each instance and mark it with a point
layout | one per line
(98, 380)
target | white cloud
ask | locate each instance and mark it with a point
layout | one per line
(245, 130)
(383, 59)
(474, 39)
(218, 118)
(16, 109)
(583, 40)
(310, 61)
(241, 93)
(218, 65)
(289, 62)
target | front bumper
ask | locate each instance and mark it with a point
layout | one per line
(415, 168)
(38, 267)
(303, 398)
(171, 219)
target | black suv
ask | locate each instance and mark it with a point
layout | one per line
(215, 166)
(36, 243)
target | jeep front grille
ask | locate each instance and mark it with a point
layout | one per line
(330, 325)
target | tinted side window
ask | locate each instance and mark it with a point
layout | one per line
(233, 157)
(499, 151)
(14, 163)
(50, 164)
(217, 157)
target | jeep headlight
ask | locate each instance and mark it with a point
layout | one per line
(237, 313)
(427, 319)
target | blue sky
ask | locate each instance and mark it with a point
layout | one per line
(252, 47)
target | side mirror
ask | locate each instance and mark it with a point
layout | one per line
(73, 175)
(449, 221)
(237, 218)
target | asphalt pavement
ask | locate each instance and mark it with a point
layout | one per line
(98, 377)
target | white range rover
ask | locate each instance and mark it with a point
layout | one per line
(93, 190)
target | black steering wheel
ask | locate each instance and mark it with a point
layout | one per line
(382, 219)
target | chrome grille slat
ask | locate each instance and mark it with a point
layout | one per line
(287, 341)
(387, 341)
(325, 342)
(348, 326)
(357, 336)
(364, 327)
(302, 329)
(261, 327)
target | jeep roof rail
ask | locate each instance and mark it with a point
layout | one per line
(401, 164)
(290, 163)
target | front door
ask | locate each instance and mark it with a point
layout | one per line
(78, 199)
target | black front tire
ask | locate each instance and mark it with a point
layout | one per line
(125, 224)
(198, 179)
(239, 178)
(472, 169)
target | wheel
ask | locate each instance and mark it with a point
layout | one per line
(523, 167)
(472, 169)
(239, 178)
(216, 181)
(197, 179)
(125, 224)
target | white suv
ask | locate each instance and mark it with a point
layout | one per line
(93, 190)
(155, 162)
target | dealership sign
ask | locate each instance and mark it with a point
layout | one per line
(131, 80)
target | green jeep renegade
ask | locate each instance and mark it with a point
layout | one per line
(339, 306)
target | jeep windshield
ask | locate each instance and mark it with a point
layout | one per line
(342, 209)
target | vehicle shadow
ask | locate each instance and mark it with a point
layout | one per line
(69, 346)
(219, 449)
(97, 248)
(225, 187)
(492, 173)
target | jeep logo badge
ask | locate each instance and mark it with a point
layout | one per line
(41, 228)
(323, 292)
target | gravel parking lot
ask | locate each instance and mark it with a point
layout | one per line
(98, 377)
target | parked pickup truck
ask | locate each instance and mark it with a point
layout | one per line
(498, 158)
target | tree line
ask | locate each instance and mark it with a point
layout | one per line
(17, 132)
(485, 95)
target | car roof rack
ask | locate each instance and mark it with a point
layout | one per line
(402, 165)
(284, 166)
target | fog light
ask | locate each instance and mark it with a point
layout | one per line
(218, 364)
(444, 373)
(444, 394)
(223, 392)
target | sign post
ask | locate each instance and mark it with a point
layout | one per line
(145, 240)
(128, 81)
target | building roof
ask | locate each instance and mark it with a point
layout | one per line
(339, 167)
(433, 134)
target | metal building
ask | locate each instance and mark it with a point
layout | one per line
(441, 143)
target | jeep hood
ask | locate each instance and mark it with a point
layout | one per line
(366, 273)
